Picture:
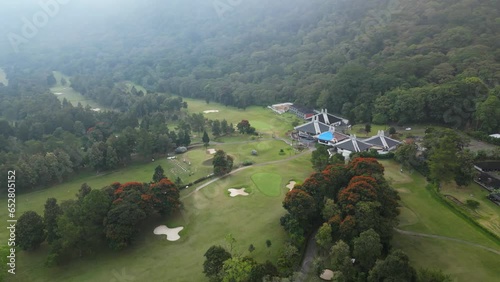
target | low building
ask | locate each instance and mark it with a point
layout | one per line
(301, 111)
(326, 118)
(281, 108)
(351, 145)
(311, 129)
(487, 166)
(331, 137)
(383, 143)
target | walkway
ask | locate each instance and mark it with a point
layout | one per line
(416, 234)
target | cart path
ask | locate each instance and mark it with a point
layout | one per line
(416, 234)
(246, 167)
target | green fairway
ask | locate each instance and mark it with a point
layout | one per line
(74, 97)
(463, 262)
(208, 216)
(3, 78)
(262, 118)
(422, 213)
(268, 183)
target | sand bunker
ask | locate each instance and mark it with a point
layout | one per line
(211, 151)
(58, 93)
(327, 275)
(237, 192)
(210, 111)
(96, 110)
(291, 185)
(172, 233)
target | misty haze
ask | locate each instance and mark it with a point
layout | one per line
(249, 140)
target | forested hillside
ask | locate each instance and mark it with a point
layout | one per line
(382, 61)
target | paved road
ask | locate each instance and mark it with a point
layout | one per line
(310, 254)
(416, 234)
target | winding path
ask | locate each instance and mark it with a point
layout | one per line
(246, 167)
(416, 234)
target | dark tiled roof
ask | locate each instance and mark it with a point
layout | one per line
(311, 128)
(489, 180)
(303, 109)
(489, 166)
(327, 118)
(353, 145)
(380, 140)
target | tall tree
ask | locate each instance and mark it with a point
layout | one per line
(222, 163)
(395, 267)
(205, 139)
(367, 249)
(30, 231)
(51, 213)
(215, 257)
(159, 174)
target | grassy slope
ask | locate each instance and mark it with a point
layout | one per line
(263, 119)
(209, 215)
(422, 213)
(3, 77)
(71, 95)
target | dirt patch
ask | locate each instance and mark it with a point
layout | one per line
(455, 200)
(208, 162)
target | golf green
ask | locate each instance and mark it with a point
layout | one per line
(268, 183)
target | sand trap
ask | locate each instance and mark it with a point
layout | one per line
(210, 111)
(237, 192)
(291, 185)
(96, 110)
(327, 275)
(172, 233)
(58, 93)
(211, 151)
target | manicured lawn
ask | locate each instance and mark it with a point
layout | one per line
(359, 130)
(71, 95)
(269, 184)
(3, 77)
(262, 118)
(422, 213)
(208, 216)
(463, 262)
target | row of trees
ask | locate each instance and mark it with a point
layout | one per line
(110, 215)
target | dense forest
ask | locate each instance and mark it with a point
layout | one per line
(384, 61)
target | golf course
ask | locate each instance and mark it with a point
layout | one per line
(435, 237)
(247, 204)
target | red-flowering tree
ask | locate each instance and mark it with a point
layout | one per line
(300, 205)
(365, 166)
(163, 197)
